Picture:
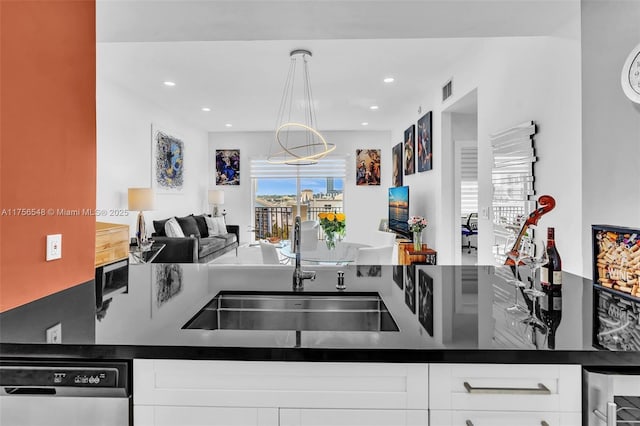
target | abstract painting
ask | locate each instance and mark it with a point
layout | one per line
(168, 162)
(168, 279)
(368, 271)
(410, 287)
(398, 276)
(409, 150)
(367, 167)
(424, 143)
(227, 167)
(397, 165)
(425, 301)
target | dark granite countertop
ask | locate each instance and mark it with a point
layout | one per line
(443, 314)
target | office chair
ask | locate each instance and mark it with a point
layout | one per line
(469, 228)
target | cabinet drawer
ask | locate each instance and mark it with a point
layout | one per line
(504, 418)
(329, 417)
(105, 239)
(117, 252)
(199, 416)
(505, 387)
(281, 384)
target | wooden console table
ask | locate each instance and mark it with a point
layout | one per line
(408, 256)
(112, 242)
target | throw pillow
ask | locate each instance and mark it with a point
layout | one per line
(158, 225)
(189, 226)
(221, 225)
(212, 226)
(202, 226)
(172, 228)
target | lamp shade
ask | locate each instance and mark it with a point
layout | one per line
(216, 196)
(141, 199)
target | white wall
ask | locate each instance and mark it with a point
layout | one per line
(610, 122)
(124, 156)
(517, 79)
(364, 205)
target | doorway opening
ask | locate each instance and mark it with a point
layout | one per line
(463, 115)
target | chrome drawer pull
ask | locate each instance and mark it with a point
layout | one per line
(540, 390)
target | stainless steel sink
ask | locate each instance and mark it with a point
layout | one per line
(309, 311)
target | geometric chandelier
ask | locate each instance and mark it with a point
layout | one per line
(297, 140)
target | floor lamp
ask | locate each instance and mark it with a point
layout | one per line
(216, 198)
(141, 199)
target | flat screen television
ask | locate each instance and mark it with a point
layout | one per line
(399, 210)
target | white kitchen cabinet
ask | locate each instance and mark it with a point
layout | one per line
(332, 417)
(150, 415)
(246, 393)
(504, 418)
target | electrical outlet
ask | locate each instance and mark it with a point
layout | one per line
(54, 334)
(54, 247)
(485, 213)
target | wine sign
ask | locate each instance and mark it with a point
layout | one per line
(616, 258)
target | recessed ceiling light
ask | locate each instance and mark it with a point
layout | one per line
(169, 83)
(389, 80)
(206, 109)
(364, 123)
(374, 107)
(228, 125)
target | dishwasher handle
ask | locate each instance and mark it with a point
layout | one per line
(610, 417)
(29, 390)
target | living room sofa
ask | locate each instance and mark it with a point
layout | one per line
(197, 245)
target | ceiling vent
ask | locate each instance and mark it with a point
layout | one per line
(447, 90)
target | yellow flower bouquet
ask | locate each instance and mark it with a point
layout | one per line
(333, 225)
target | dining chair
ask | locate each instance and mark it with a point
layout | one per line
(309, 234)
(270, 255)
(374, 255)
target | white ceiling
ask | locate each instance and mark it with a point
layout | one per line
(233, 56)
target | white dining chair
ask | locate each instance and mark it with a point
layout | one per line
(270, 255)
(309, 234)
(381, 255)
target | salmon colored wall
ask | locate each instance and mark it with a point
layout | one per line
(47, 145)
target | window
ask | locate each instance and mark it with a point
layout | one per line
(279, 188)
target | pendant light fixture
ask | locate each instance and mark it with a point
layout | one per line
(297, 140)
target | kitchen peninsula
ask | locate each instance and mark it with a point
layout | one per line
(427, 326)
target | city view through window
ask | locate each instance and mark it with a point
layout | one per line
(276, 200)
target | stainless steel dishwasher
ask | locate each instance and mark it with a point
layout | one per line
(64, 393)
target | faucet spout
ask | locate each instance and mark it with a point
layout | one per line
(298, 274)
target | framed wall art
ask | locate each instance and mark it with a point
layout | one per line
(167, 162)
(367, 167)
(424, 143)
(425, 301)
(227, 167)
(397, 165)
(410, 287)
(409, 150)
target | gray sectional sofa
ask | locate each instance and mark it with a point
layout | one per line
(197, 246)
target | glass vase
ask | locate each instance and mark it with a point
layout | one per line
(417, 240)
(330, 239)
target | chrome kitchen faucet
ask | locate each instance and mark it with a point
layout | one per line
(299, 275)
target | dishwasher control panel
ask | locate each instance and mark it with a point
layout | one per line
(64, 376)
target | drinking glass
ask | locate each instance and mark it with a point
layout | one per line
(517, 257)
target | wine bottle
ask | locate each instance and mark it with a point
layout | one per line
(551, 273)
(551, 311)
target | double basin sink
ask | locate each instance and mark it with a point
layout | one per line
(305, 311)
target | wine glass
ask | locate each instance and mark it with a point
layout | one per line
(517, 257)
(537, 257)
